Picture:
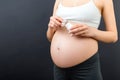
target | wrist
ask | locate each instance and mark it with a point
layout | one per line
(94, 33)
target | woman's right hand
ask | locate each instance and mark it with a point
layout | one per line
(55, 22)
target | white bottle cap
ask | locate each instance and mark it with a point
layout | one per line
(68, 26)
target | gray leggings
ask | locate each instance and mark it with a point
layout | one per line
(88, 70)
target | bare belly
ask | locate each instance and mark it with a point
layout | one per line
(68, 51)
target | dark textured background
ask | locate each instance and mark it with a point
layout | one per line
(24, 49)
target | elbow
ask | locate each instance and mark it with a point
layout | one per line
(48, 37)
(115, 39)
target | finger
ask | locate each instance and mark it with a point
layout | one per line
(51, 24)
(79, 29)
(81, 33)
(56, 22)
(58, 18)
(74, 31)
(76, 26)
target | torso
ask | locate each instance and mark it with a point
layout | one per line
(68, 51)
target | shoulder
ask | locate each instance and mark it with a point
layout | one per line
(108, 5)
(56, 5)
(57, 1)
(107, 2)
(104, 3)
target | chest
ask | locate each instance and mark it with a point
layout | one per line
(86, 12)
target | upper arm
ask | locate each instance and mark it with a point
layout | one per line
(109, 16)
(55, 6)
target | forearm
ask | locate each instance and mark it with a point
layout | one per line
(105, 36)
(50, 33)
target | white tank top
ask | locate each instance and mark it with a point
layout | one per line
(86, 14)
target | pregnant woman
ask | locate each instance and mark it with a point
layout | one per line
(73, 33)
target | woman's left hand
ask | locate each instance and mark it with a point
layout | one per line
(82, 30)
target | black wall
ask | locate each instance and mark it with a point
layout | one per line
(110, 53)
(24, 49)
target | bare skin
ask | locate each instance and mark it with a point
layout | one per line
(66, 50)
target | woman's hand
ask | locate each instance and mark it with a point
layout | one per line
(55, 22)
(53, 25)
(82, 30)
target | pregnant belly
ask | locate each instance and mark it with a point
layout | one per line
(67, 51)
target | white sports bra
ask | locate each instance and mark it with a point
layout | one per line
(87, 14)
